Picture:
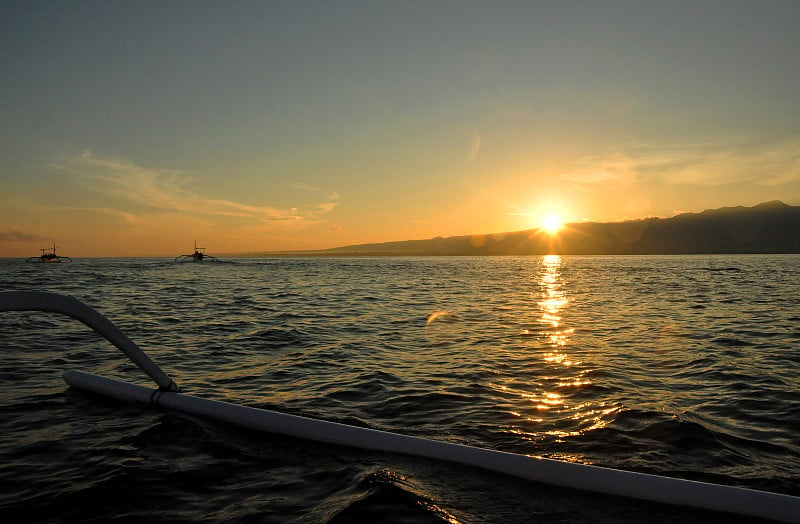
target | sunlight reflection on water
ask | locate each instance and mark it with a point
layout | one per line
(553, 301)
(561, 413)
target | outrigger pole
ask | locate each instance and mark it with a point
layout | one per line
(52, 302)
(643, 486)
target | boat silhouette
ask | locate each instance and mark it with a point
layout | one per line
(199, 255)
(49, 256)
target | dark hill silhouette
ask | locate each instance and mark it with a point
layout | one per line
(771, 227)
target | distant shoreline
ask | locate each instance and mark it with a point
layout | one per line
(233, 256)
(767, 228)
(432, 255)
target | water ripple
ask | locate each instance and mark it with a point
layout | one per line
(681, 366)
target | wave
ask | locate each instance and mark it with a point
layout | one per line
(654, 366)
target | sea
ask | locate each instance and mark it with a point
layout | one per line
(683, 366)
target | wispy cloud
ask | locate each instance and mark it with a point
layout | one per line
(769, 164)
(302, 186)
(475, 146)
(327, 207)
(702, 164)
(590, 176)
(18, 236)
(128, 218)
(599, 170)
(160, 189)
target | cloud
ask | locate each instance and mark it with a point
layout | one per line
(171, 190)
(702, 164)
(302, 186)
(475, 146)
(125, 217)
(589, 177)
(327, 208)
(18, 236)
(769, 164)
(616, 168)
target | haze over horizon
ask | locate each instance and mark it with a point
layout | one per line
(136, 128)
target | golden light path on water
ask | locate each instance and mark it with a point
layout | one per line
(558, 414)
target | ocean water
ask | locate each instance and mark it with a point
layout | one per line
(685, 366)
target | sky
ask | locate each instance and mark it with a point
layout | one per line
(135, 128)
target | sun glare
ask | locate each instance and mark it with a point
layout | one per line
(552, 223)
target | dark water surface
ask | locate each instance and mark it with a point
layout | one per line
(681, 366)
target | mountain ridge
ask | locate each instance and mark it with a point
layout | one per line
(769, 227)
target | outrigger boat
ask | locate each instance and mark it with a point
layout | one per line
(199, 255)
(643, 486)
(49, 256)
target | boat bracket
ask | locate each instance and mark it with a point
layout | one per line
(55, 303)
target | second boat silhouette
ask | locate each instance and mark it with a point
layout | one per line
(199, 255)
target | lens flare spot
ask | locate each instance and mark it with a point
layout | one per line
(441, 315)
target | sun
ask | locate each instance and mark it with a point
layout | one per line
(552, 223)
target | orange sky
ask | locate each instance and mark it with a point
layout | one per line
(129, 130)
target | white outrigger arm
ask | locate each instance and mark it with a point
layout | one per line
(642, 486)
(51, 302)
